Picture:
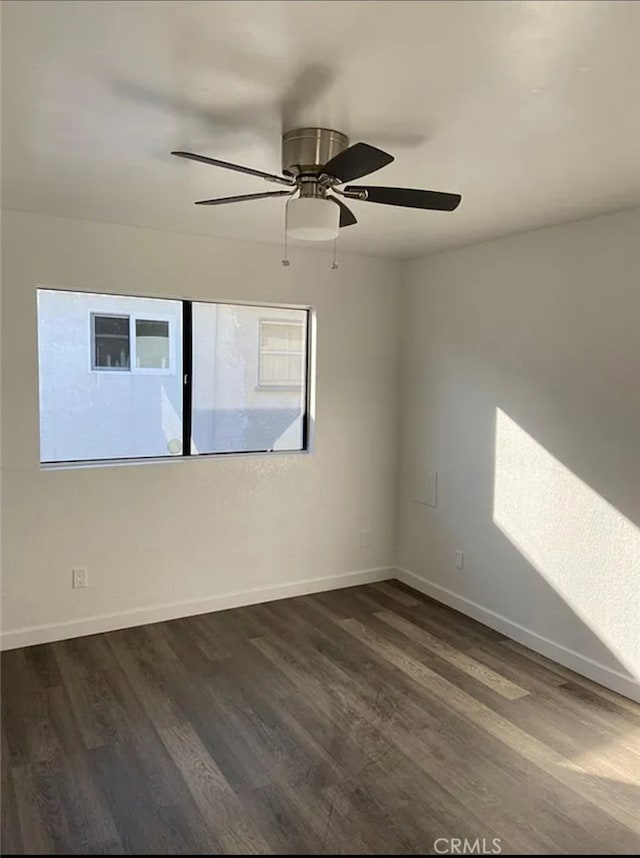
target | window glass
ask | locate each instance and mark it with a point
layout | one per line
(112, 383)
(88, 409)
(249, 366)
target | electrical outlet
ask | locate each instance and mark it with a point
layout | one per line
(459, 559)
(79, 577)
(365, 539)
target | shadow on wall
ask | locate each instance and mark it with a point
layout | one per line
(571, 579)
(581, 545)
(237, 429)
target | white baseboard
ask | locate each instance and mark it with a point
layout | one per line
(30, 635)
(583, 665)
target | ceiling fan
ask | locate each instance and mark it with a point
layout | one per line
(315, 163)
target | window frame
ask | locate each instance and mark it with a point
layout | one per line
(308, 385)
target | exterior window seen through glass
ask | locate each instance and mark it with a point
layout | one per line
(152, 344)
(282, 353)
(111, 342)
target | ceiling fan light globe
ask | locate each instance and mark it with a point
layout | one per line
(312, 219)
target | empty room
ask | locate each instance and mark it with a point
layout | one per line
(320, 421)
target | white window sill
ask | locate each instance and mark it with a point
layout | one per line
(155, 460)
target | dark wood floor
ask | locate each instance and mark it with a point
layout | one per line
(370, 720)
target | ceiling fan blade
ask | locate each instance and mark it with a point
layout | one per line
(270, 177)
(410, 198)
(347, 217)
(239, 199)
(356, 161)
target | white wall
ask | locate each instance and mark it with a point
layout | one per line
(521, 388)
(195, 531)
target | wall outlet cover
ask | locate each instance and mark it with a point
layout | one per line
(79, 577)
(365, 539)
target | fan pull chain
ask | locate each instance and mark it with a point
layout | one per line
(334, 264)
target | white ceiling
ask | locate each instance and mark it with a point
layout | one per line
(530, 110)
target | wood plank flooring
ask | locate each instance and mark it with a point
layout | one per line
(371, 720)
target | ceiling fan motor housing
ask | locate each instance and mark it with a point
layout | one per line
(306, 150)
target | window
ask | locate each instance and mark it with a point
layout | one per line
(111, 342)
(231, 411)
(123, 377)
(152, 344)
(282, 353)
(114, 347)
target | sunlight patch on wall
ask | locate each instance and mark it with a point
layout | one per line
(582, 545)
